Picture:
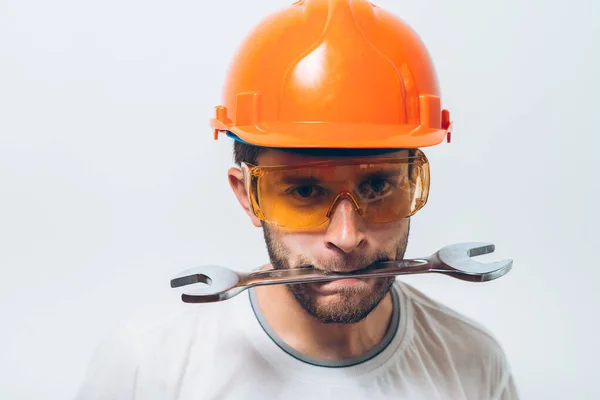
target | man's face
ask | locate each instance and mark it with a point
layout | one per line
(346, 243)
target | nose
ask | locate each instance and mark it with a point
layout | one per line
(345, 230)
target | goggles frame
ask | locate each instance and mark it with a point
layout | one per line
(418, 161)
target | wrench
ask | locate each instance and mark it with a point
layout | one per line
(221, 283)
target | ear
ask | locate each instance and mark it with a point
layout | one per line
(236, 181)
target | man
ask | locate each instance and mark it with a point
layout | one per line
(329, 103)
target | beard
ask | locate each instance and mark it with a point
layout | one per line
(351, 305)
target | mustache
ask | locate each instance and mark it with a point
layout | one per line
(354, 263)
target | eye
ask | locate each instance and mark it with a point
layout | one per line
(378, 184)
(375, 186)
(305, 191)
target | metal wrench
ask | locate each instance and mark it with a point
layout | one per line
(220, 283)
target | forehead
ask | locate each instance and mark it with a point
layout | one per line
(293, 158)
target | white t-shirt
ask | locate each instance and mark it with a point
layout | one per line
(223, 351)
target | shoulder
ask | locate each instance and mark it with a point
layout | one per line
(432, 315)
(459, 342)
(174, 324)
(150, 347)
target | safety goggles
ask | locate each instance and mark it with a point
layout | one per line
(381, 190)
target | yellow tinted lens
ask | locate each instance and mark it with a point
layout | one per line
(392, 193)
(294, 198)
(303, 197)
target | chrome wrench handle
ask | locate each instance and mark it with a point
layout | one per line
(307, 275)
(454, 260)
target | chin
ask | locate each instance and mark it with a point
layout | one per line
(342, 301)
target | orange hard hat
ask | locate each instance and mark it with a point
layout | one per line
(332, 74)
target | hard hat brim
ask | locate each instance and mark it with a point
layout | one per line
(334, 135)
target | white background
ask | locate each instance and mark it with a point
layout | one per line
(110, 181)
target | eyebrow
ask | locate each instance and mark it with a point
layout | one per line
(383, 173)
(295, 180)
(313, 180)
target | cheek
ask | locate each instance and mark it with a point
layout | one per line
(382, 234)
(298, 243)
(301, 248)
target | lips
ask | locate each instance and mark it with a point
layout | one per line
(353, 271)
(359, 270)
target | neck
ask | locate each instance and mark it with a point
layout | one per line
(309, 336)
